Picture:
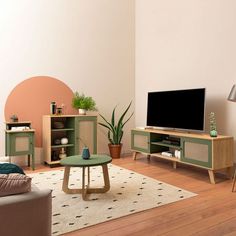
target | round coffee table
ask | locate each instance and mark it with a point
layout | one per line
(78, 161)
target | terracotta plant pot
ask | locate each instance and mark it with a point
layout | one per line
(115, 150)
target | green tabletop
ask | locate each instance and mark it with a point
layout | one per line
(95, 160)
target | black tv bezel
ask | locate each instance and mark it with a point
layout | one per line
(177, 128)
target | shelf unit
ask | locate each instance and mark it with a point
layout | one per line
(196, 149)
(76, 128)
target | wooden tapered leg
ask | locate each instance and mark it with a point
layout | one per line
(85, 188)
(212, 176)
(65, 183)
(134, 155)
(106, 182)
(174, 164)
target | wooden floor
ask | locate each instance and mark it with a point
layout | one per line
(211, 213)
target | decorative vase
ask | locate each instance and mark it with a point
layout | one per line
(115, 150)
(213, 133)
(82, 111)
(85, 153)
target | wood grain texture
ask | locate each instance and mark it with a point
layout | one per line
(212, 212)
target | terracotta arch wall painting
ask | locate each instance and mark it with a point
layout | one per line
(31, 99)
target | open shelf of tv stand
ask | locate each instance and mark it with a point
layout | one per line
(196, 149)
(166, 145)
(172, 159)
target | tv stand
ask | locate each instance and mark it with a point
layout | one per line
(195, 149)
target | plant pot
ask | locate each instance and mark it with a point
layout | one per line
(82, 111)
(115, 150)
(213, 133)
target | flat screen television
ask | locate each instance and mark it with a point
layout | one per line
(177, 109)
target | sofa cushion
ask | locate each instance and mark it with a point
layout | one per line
(14, 184)
(8, 168)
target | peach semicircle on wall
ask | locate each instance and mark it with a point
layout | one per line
(31, 99)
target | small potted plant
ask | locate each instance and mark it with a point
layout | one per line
(115, 131)
(83, 103)
(213, 130)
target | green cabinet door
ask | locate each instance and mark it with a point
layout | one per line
(197, 151)
(140, 141)
(20, 143)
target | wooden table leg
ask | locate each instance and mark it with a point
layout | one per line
(106, 182)
(66, 179)
(106, 178)
(85, 188)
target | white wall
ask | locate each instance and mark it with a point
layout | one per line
(187, 44)
(87, 44)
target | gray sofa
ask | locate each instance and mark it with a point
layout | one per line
(27, 214)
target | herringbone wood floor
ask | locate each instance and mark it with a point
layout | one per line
(212, 212)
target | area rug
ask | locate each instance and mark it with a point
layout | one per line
(130, 192)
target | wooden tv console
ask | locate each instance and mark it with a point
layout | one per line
(196, 149)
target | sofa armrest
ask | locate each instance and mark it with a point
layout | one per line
(26, 214)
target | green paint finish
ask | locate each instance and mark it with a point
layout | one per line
(10, 144)
(78, 161)
(187, 159)
(145, 135)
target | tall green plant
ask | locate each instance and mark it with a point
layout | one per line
(115, 130)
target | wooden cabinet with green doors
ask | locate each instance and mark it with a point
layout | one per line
(196, 149)
(19, 140)
(76, 130)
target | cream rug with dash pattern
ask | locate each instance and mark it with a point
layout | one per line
(130, 192)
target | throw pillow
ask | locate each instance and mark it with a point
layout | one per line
(8, 168)
(14, 184)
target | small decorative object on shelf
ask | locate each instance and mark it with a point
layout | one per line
(59, 111)
(64, 141)
(54, 156)
(62, 153)
(213, 130)
(53, 108)
(85, 153)
(177, 154)
(14, 118)
(57, 141)
(58, 125)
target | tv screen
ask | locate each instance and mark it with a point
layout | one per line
(177, 109)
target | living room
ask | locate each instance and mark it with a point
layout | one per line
(117, 52)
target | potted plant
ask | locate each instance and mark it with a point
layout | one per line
(115, 131)
(83, 103)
